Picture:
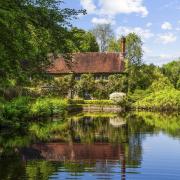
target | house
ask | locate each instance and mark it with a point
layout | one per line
(100, 64)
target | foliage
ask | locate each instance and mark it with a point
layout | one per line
(83, 41)
(142, 77)
(16, 109)
(114, 45)
(172, 71)
(134, 50)
(138, 94)
(88, 87)
(60, 86)
(24, 108)
(138, 75)
(48, 106)
(2, 101)
(161, 95)
(101, 89)
(167, 99)
(160, 84)
(85, 86)
(29, 31)
(117, 83)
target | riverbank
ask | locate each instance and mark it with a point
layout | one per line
(29, 108)
(93, 106)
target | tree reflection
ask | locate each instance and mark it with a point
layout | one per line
(80, 143)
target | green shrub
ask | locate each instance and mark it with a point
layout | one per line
(168, 99)
(17, 108)
(138, 95)
(48, 106)
(2, 102)
(160, 84)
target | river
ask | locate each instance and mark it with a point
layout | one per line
(139, 145)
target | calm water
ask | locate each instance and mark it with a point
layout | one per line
(93, 146)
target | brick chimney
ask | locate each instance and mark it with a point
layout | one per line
(123, 46)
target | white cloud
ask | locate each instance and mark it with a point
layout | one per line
(158, 60)
(166, 26)
(167, 38)
(103, 21)
(88, 5)
(149, 24)
(115, 7)
(144, 33)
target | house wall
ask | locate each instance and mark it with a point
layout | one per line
(97, 76)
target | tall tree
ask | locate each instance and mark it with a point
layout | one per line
(30, 29)
(134, 50)
(134, 55)
(172, 71)
(83, 41)
(103, 34)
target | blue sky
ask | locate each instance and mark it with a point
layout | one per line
(156, 21)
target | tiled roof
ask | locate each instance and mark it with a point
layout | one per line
(93, 62)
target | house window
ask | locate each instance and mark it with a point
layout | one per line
(97, 77)
(77, 77)
(105, 77)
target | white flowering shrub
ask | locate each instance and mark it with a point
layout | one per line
(118, 97)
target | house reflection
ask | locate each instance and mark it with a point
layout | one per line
(98, 153)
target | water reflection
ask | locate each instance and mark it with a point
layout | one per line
(91, 146)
